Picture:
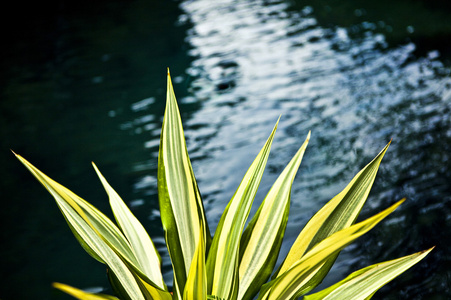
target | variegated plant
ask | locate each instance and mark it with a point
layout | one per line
(238, 262)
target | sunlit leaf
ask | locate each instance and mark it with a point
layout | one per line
(339, 213)
(181, 206)
(150, 292)
(91, 227)
(196, 284)
(288, 284)
(222, 262)
(262, 239)
(140, 242)
(118, 289)
(82, 295)
(363, 283)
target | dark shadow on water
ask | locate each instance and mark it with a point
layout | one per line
(80, 82)
(425, 23)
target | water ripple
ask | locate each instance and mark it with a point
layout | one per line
(256, 60)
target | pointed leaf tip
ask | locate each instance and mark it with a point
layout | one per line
(262, 239)
(364, 283)
(222, 261)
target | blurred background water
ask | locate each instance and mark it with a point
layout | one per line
(85, 81)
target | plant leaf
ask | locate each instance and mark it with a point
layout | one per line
(149, 291)
(288, 284)
(363, 283)
(262, 239)
(116, 286)
(82, 295)
(143, 248)
(196, 284)
(92, 216)
(222, 261)
(339, 213)
(181, 206)
(92, 228)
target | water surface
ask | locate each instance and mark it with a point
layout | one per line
(356, 90)
(89, 85)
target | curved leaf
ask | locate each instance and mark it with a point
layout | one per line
(339, 213)
(82, 295)
(363, 283)
(96, 231)
(143, 248)
(181, 206)
(222, 261)
(288, 284)
(262, 239)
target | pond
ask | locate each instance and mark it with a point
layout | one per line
(86, 82)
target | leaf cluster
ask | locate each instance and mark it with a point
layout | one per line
(238, 261)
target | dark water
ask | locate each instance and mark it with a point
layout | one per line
(87, 82)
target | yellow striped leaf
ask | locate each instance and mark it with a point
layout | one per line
(262, 239)
(82, 295)
(181, 206)
(222, 262)
(97, 234)
(363, 283)
(196, 284)
(339, 213)
(143, 248)
(288, 284)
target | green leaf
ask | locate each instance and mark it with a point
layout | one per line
(95, 231)
(150, 292)
(262, 239)
(196, 285)
(116, 286)
(222, 261)
(339, 213)
(143, 248)
(79, 294)
(363, 283)
(181, 206)
(288, 284)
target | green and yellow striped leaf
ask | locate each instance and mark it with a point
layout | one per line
(82, 295)
(222, 262)
(181, 207)
(150, 292)
(196, 285)
(142, 246)
(288, 284)
(339, 213)
(363, 283)
(96, 233)
(262, 239)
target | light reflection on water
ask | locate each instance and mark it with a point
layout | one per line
(254, 61)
